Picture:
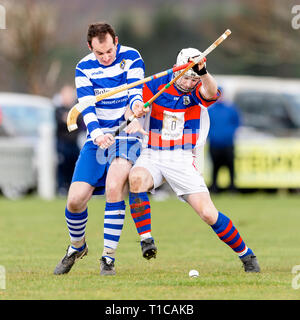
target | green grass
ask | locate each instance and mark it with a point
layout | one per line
(34, 237)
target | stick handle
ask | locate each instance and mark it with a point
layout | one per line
(196, 60)
(139, 82)
(123, 125)
(212, 46)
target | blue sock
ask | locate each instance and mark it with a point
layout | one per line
(113, 223)
(76, 223)
(79, 249)
(228, 233)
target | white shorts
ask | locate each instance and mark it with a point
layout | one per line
(174, 166)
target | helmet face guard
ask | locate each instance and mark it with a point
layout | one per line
(183, 89)
(184, 57)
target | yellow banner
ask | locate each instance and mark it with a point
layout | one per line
(266, 163)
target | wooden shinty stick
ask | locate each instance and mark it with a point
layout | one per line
(79, 107)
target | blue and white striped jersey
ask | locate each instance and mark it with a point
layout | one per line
(93, 78)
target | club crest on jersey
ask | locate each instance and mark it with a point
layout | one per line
(122, 64)
(186, 100)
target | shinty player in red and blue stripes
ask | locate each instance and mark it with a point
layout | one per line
(184, 101)
(174, 102)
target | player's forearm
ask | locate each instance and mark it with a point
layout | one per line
(209, 86)
(91, 122)
(136, 97)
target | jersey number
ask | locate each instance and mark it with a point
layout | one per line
(173, 125)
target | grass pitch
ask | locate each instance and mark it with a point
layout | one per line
(34, 237)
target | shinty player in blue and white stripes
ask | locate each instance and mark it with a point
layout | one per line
(99, 171)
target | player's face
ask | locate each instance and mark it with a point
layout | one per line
(105, 51)
(188, 83)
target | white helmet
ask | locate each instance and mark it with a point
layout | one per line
(184, 57)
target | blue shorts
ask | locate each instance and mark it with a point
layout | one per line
(93, 163)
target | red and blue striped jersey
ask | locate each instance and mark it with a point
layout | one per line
(175, 118)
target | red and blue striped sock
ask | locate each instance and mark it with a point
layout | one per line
(141, 213)
(227, 232)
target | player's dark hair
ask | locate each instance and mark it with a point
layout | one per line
(100, 30)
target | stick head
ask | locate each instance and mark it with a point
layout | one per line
(72, 127)
(72, 118)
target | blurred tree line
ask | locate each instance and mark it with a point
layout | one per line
(25, 46)
(34, 59)
(262, 41)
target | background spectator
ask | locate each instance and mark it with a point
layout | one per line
(224, 121)
(66, 142)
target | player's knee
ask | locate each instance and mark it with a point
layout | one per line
(113, 189)
(135, 181)
(76, 202)
(208, 215)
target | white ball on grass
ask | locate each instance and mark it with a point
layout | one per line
(194, 273)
